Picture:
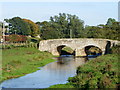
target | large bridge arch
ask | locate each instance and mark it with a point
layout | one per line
(62, 52)
(76, 44)
(54, 48)
(94, 51)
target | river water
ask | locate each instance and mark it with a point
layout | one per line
(54, 73)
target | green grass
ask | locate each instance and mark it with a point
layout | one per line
(67, 85)
(17, 62)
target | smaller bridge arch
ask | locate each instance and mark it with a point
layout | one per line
(91, 49)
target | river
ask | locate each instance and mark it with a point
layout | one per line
(53, 73)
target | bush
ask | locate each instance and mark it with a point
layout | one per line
(35, 40)
(17, 45)
(8, 46)
(101, 72)
(16, 38)
(116, 49)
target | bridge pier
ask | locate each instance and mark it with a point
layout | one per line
(80, 52)
(54, 52)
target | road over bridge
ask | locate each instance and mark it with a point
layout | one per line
(78, 45)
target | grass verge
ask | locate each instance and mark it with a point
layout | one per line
(17, 62)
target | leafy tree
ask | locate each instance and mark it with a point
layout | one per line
(47, 31)
(110, 30)
(76, 25)
(110, 21)
(69, 25)
(92, 31)
(18, 26)
(33, 27)
(62, 26)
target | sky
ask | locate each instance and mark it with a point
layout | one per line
(90, 11)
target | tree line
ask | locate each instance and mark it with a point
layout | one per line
(63, 26)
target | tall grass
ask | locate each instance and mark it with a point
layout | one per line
(16, 45)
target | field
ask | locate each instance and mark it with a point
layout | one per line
(17, 62)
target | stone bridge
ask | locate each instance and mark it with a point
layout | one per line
(78, 45)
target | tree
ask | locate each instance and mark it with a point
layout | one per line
(47, 31)
(110, 30)
(110, 21)
(75, 25)
(62, 25)
(18, 26)
(1, 29)
(91, 31)
(33, 27)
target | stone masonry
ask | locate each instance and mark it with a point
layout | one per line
(76, 44)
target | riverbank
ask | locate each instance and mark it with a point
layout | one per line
(101, 72)
(17, 62)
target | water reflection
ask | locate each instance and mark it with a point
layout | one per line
(53, 73)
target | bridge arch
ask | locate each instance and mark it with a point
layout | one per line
(92, 50)
(61, 50)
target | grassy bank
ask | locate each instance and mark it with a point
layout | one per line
(101, 72)
(17, 62)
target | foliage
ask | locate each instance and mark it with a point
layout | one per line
(70, 26)
(116, 49)
(15, 38)
(18, 26)
(33, 27)
(33, 39)
(67, 85)
(47, 32)
(109, 31)
(110, 21)
(0, 33)
(20, 61)
(21, 26)
(64, 26)
(61, 26)
(18, 45)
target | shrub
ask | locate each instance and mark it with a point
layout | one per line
(31, 39)
(101, 72)
(116, 49)
(15, 38)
